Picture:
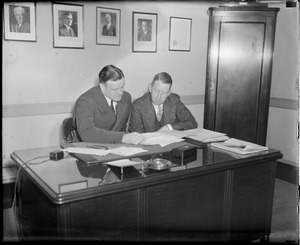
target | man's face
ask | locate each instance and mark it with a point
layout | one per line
(19, 17)
(159, 92)
(113, 89)
(144, 26)
(107, 19)
(68, 20)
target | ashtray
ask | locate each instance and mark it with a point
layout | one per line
(158, 164)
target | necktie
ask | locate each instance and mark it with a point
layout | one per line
(159, 113)
(112, 106)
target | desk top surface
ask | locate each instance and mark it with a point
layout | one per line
(68, 179)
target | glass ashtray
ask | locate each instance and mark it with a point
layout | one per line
(158, 164)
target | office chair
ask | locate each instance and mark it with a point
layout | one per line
(69, 133)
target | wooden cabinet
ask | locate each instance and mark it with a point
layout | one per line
(239, 67)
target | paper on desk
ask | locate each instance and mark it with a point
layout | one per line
(159, 138)
(240, 146)
(90, 151)
(123, 163)
(126, 151)
(123, 151)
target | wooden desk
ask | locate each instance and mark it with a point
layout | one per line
(218, 197)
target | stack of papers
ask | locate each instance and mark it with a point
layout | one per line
(160, 138)
(239, 146)
(206, 136)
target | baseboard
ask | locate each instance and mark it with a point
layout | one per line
(8, 194)
(287, 171)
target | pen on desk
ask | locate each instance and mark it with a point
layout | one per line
(98, 147)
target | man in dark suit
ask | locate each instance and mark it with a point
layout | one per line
(66, 30)
(101, 113)
(160, 109)
(145, 33)
(109, 29)
(21, 24)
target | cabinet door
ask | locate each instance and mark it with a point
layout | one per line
(240, 50)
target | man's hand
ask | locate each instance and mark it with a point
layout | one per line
(132, 138)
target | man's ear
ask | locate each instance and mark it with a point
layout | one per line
(102, 87)
(150, 88)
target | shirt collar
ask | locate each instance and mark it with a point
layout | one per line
(108, 100)
(157, 106)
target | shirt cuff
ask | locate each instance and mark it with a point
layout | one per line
(169, 127)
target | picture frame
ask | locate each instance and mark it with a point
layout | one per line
(67, 25)
(144, 41)
(20, 21)
(180, 34)
(111, 17)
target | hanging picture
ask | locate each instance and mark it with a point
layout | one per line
(144, 32)
(108, 26)
(67, 25)
(180, 34)
(19, 21)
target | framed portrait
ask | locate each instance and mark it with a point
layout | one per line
(108, 26)
(67, 25)
(19, 21)
(180, 34)
(144, 32)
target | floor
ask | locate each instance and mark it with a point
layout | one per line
(285, 219)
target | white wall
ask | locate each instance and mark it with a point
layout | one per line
(38, 77)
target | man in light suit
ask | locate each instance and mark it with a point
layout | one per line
(66, 30)
(145, 110)
(101, 113)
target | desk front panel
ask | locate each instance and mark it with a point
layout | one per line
(186, 210)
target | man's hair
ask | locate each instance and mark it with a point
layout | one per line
(110, 72)
(67, 14)
(19, 9)
(164, 77)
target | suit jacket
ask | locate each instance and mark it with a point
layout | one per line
(109, 32)
(63, 31)
(24, 28)
(175, 113)
(144, 37)
(96, 122)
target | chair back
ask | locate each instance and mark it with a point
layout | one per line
(69, 133)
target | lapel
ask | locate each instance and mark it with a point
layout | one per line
(105, 109)
(149, 114)
(167, 112)
(120, 108)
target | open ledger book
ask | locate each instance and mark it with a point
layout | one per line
(164, 138)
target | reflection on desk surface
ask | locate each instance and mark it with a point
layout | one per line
(69, 170)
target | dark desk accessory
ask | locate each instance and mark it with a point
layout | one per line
(56, 155)
(95, 171)
(125, 172)
(184, 154)
(197, 143)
